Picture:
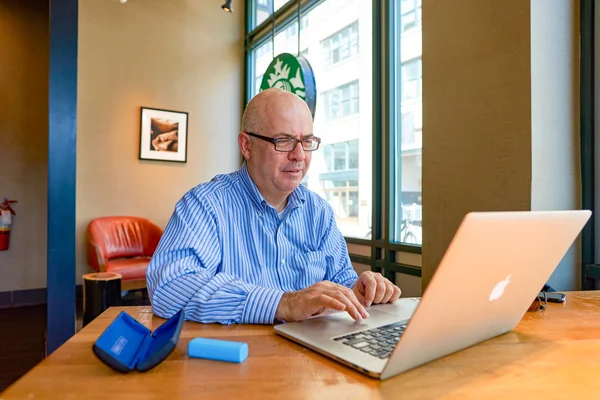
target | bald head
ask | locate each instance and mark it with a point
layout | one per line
(268, 105)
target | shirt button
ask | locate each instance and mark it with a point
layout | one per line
(283, 262)
(259, 214)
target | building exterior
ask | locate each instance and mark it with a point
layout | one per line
(336, 38)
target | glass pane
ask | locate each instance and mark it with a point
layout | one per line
(341, 101)
(339, 36)
(263, 10)
(335, 37)
(279, 4)
(286, 40)
(341, 45)
(409, 127)
(261, 57)
(353, 154)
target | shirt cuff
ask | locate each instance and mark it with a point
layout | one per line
(352, 282)
(261, 305)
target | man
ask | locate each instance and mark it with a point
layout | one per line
(254, 246)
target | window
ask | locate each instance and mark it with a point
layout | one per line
(263, 10)
(407, 129)
(346, 143)
(260, 60)
(340, 181)
(341, 156)
(291, 31)
(411, 79)
(286, 40)
(303, 23)
(267, 48)
(338, 37)
(341, 45)
(258, 82)
(411, 14)
(341, 101)
(342, 195)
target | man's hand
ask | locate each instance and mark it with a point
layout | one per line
(315, 299)
(372, 288)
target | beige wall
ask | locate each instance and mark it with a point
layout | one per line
(24, 47)
(476, 115)
(487, 125)
(177, 55)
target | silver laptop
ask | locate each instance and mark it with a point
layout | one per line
(493, 269)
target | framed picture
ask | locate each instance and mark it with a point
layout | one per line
(163, 135)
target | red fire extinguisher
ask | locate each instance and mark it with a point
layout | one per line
(6, 212)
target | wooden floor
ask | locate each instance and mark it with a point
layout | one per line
(23, 337)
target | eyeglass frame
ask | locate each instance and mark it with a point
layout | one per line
(537, 305)
(296, 141)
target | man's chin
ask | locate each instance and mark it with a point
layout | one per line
(290, 183)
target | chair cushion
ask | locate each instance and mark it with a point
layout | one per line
(129, 268)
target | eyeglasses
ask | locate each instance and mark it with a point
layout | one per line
(540, 302)
(289, 144)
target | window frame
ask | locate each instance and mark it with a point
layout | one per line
(590, 269)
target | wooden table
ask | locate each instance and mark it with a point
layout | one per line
(554, 354)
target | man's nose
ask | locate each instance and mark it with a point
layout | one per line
(297, 154)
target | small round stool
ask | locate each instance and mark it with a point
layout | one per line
(100, 291)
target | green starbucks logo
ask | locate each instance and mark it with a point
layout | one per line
(292, 74)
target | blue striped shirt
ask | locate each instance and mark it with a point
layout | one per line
(227, 257)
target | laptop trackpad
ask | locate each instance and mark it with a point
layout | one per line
(403, 308)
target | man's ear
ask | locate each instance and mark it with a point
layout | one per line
(245, 143)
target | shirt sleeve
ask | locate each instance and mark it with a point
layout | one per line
(340, 269)
(184, 273)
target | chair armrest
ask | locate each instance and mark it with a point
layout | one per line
(100, 260)
(94, 257)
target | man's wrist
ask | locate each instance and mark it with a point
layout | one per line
(281, 313)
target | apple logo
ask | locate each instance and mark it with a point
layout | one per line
(498, 290)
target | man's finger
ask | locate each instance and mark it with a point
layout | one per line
(389, 291)
(380, 291)
(370, 287)
(396, 295)
(360, 297)
(359, 306)
(351, 307)
(325, 301)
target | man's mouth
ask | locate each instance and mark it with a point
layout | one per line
(293, 170)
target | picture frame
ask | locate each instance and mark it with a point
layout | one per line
(163, 135)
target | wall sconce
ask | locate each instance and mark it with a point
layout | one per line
(227, 6)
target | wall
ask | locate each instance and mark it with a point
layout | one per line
(24, 50)
(500, 116)
(183, 55)
(476, 115)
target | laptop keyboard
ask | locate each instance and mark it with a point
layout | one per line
(378, 342)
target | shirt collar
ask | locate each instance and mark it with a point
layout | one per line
(295, 199)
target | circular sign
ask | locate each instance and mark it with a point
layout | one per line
(292, 74)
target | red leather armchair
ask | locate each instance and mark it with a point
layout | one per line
(123, 245)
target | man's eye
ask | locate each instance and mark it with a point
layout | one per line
(283, 142)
